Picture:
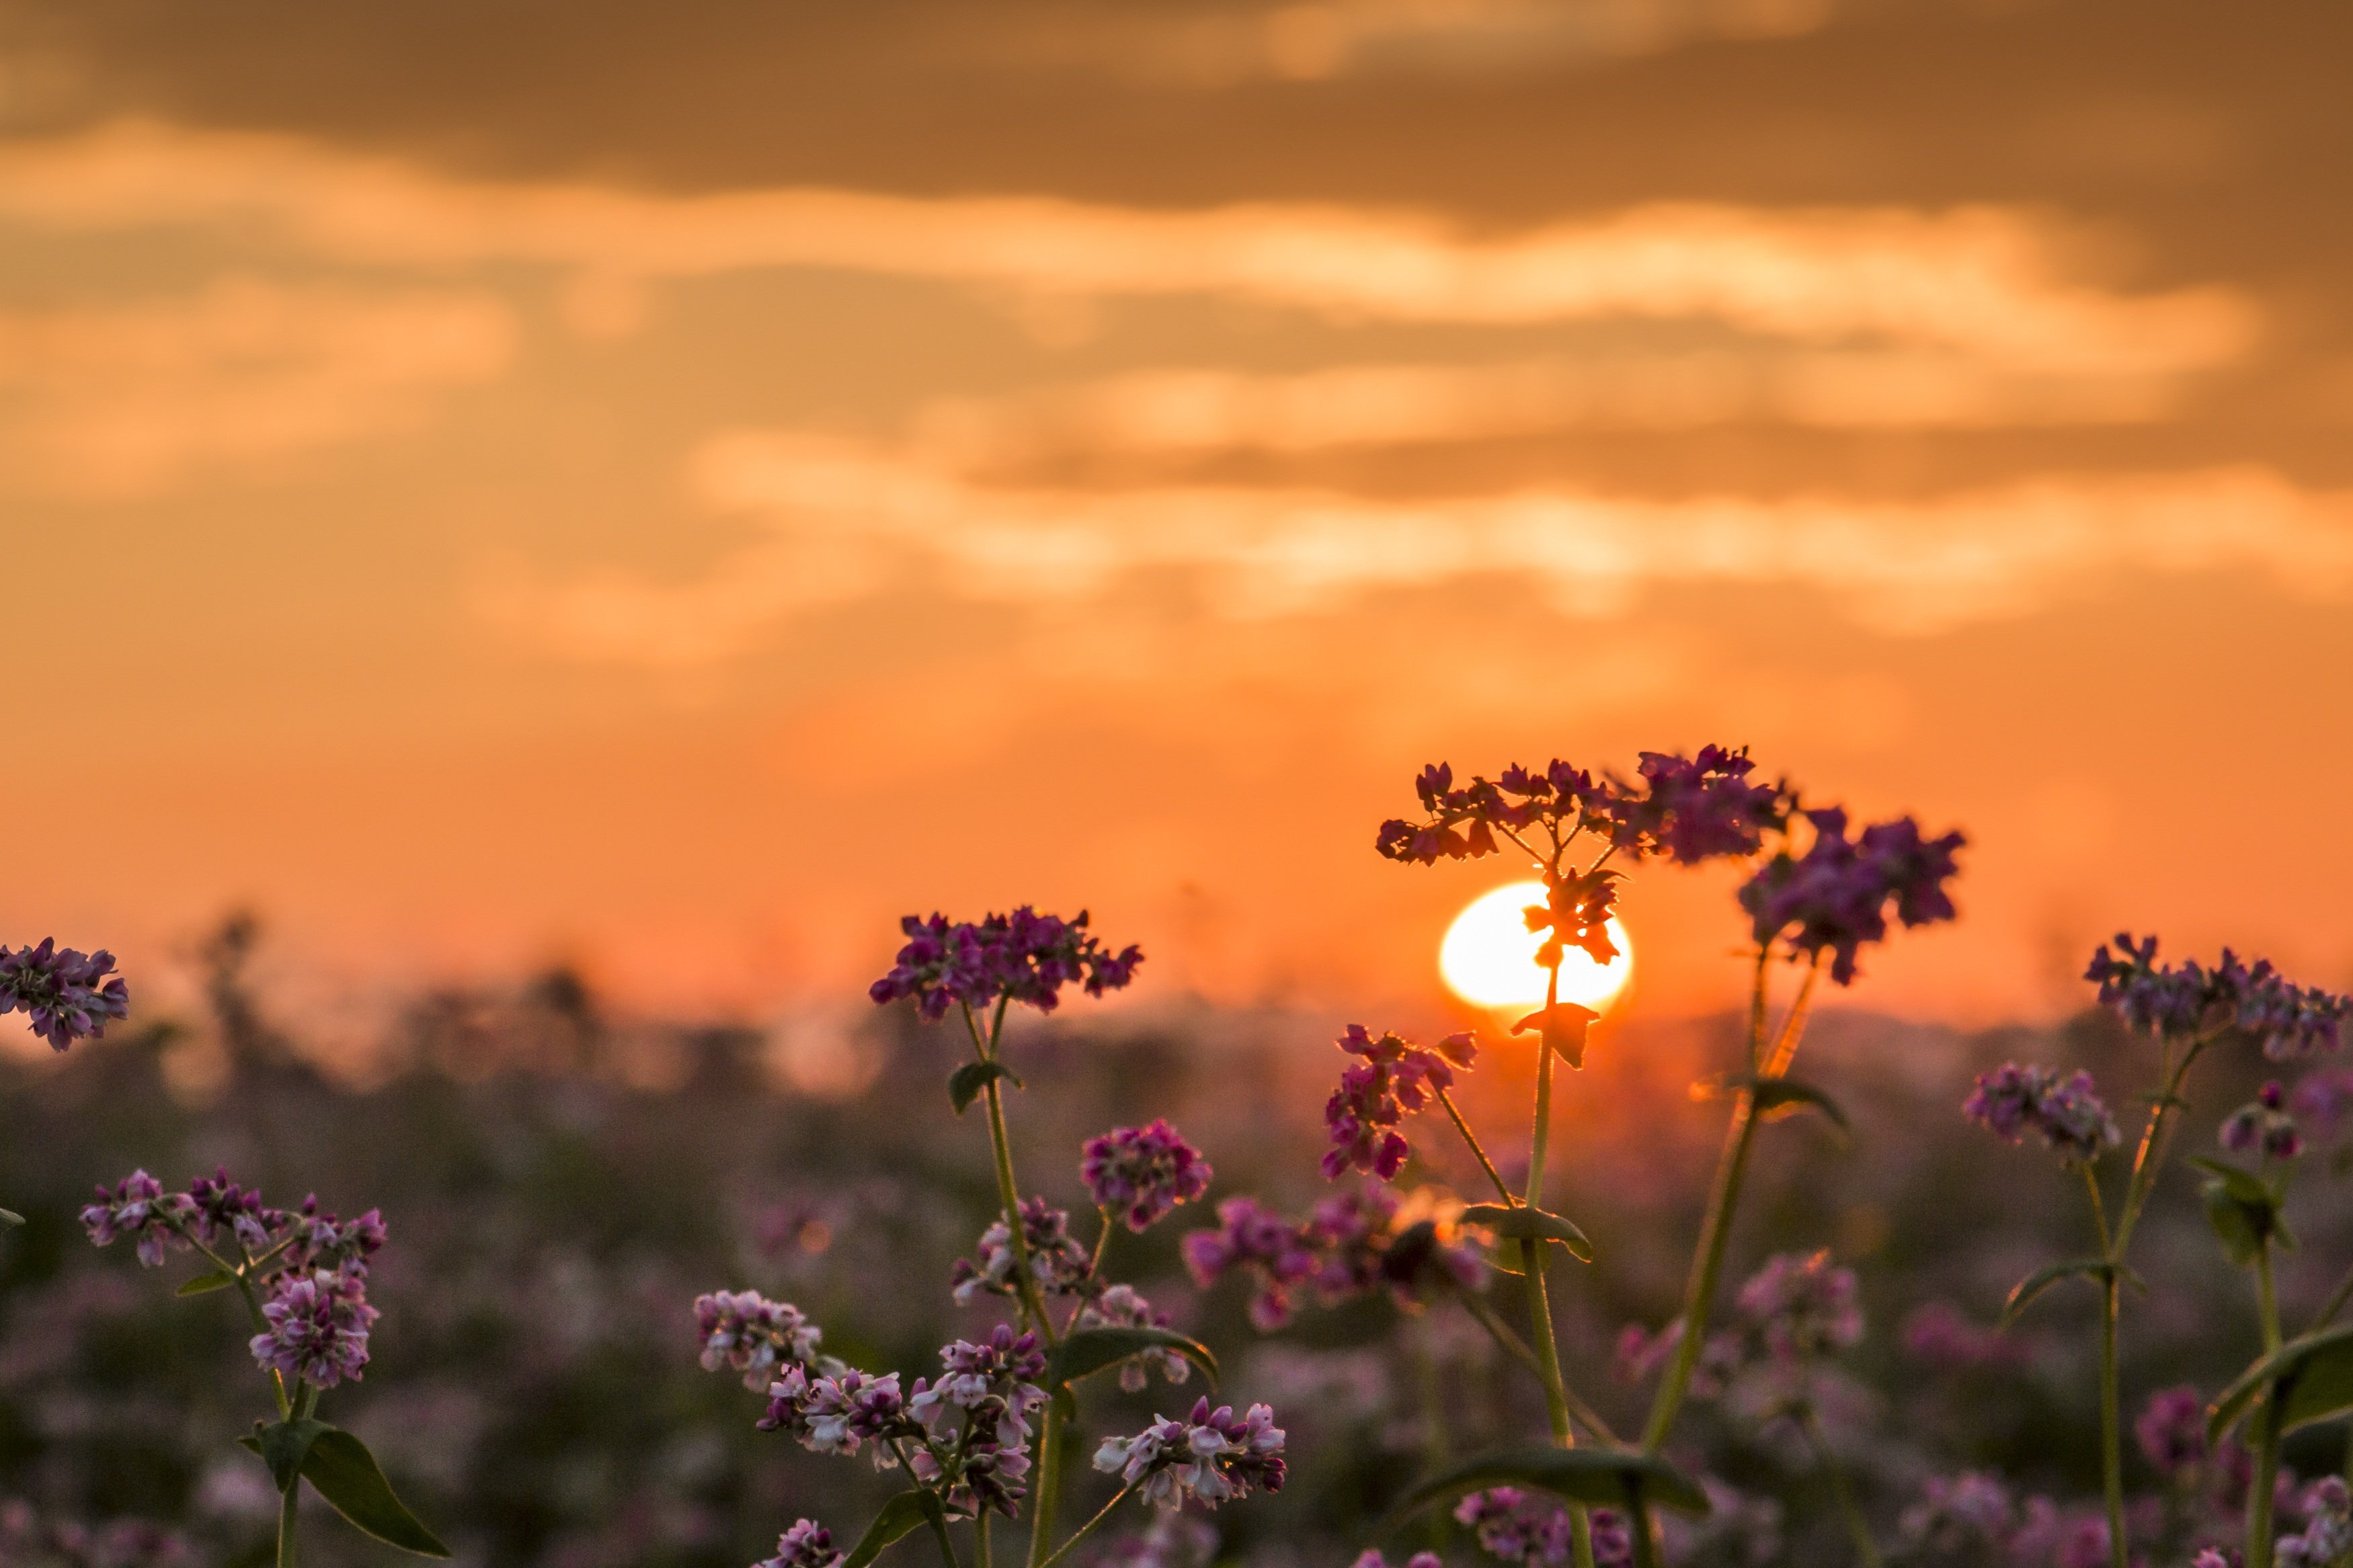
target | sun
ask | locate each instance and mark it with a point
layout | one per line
(1489, 956)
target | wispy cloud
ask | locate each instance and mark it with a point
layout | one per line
(1989, 282)
(125, 400)
(845, 514)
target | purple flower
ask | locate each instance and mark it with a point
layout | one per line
(1209, 1456)
(1958, 1514)
(2085, 1545)
(2327, 1534)
(318, 1327)
(1024, 957)
(1640, 1352)
(746, 1331)
(2261, 1126)
(1120, 1307)
(138, 1206)
(324, 1241)
(1937, 1332)
(1535, 1530)
(1394, 1078)
(1368, 1240)
(2188, 1000)
(1141, 1173)
(2172, 1430)
(1057, 1262)
(1834, 898)
(1696, 808)
(1802, 1306)
(65, 994)
(2013, 1100)
(219, 1207)
(841, 1413)
(1000, 1375)
(1253, 1237)
(808, 1544)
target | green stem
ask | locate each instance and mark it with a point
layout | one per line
(1857, 1528)
(2112, 1454)
(2335, 1304)
(2260, 1540)
(1641, 1526)
(1049, 1480)
(2267, 1298)
(980, 1552)
(286, 1522)
(1087, 1528)
(1532, 1257)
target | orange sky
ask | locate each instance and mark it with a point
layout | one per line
(676, 488)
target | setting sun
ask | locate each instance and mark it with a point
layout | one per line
(1489, 956)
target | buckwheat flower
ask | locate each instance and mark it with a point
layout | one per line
(1968, 1513)
(218, 1205)
(2172, 1430)
(842, 1414)
(64, 994)
(1209, 1456)
(808, 1544)
(1120, 1307)
(1834, 898)
(1802, 1306)
(990, 1480)
(1023, 957)
(1692, 809)
(1535, 1530)
(1393, 1078)
(137, 1207)
(1057, 1262)
(1006, 1369)
(746, 1331)
(1253, 1237)
(2067, 1113)
(2187, 1000)
(318, 1327)
(1143, 1172)
(2210, 1558)
(2327, 1534)
(324, 1241)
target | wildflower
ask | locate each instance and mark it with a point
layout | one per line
(1119, 1306)
(318, 1327)
(1968, 1512)
(1394, 1078)
(840, 1413)
(138, 1206)
(1057, 1262)
(65, 994)
(322, 1241)
(1694, 809)
(1369, 1240)
(2263, 1126)
(1209, 1455)
(2013, 1100)
(1802, 1306)
(1004, 1371)
(1022, 957)
(1141, 1173)
(1937, 1334)
(2085, 1545)
(2188, 1000)
(746, 1331)
(808, 1544)
(218, 1205)
(2210, 1558)
(2172, 1430)
(1511, 1525)
(1834, 898)
(1249, 1235)
(2321, 1100)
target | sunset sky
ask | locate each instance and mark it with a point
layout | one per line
(673, 488)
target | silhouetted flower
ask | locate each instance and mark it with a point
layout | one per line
(1024, 956)
(1141, 1173)
(65, 994)
(1688, 809)
(1692, 809)
(1209, 1456)
(1394, 1076)
(2188, 1000)
(808, 1544)
(318, 1327)
(2011, 1100)
(137, 1207)
(746, 1331)
(1835, 896)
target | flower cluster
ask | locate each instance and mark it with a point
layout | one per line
(2011, 1100)
(311, 1265)
(808, 1544)
(2171, 1431)
(1059, 1265)
(1393, 1078)
(2187, 1000)
(1350, 1243)
(979, 1412)
(1023, 957)
(1510, 1524)
(2327, 1534)
(318, 1326)
(1834, 898)
(1253, 1237)
(1209, 1456)
(1141, 1173)
(1966, 1515)
(747, 1331)
(65, 994)
(2263, 1126)
(1686, 809)
(1802, 1306)
(1121, 1306)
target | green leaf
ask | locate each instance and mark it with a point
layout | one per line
(205, 1283)
(1090, 1351)
(284, 1445)
(2242, 1210)
(1780, 1096)
(341, 1469)
(1521, 1223)
(1599, 1477)
(1562, 1027)
(967, 1082)
(2244, 1185)
(2314, 1375)
(10, 1216)
(2044, 1278)
(905, 1512)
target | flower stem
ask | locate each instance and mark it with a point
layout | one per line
(1049, 1480)
(1857, 1528)
(980, 1553)
(2260, 1540)
(1532, 1257)
(286, 1522)
(1085, 1530)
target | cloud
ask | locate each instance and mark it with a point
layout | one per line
(126, 400)
(1986, 282)
(846, 516)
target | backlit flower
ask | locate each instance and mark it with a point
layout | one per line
(1392, 1078)
(1141, 1173)
(2013, 1100)
(1024, 957)
(1834, 898)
